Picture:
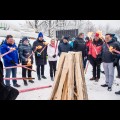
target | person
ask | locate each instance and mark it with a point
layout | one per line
(10, 59)
(1, 72)
(108, 58)
(88, 42)
(71, 43)
(95, 56)
(64, 47)
(41, 59)
(79, 46)
(52, 52)
(25, 50)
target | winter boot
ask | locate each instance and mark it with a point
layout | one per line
(16, 85)
(105, 85)
(31, 81)
(109, 89)
(52, 79)
(97, 79)
(117, 93)
(25, 83)
(118, 77)
(44, 77)
(39, 77)
(93, 78)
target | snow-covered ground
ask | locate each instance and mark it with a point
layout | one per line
(94, 89)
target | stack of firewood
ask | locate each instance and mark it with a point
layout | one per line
(69, 79)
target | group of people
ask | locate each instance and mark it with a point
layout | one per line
(96, 51)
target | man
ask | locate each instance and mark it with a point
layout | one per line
(64, 47)
(80, 46)
(40, 59)
(108, 58)
(95, 56)
(25, 50)
(10, 59)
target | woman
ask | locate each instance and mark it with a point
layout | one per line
(52, 52)
(25, 51)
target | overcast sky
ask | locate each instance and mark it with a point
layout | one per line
(112, 23)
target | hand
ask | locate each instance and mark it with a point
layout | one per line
(54, 56)
(39, 47)
(26, 59)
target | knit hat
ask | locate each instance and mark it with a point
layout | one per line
(24, 38)
(67, 38)
(40, 35)
(87, 38)
(97, 35)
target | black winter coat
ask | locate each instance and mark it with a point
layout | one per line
(24, 52)
(79, 45)
(1, 72)
(107, 56)
(64, 47)
(42, 59)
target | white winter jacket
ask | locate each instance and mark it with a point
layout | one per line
(51, 52)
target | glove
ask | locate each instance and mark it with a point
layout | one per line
(54, 56)
(13, 62)
(38, 54)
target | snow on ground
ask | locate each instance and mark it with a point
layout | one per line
(94, 89)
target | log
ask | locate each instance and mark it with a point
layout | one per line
(57, 75)
(62, 79)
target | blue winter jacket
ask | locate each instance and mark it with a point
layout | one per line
(11, 56)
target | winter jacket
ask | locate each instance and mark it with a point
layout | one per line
(107, 56)
(24, 52)
(88, 45)
(95, 48)
(42, 59)
(64, 47)
(1, 72)
(79, 45)
(11, 56)
(51, 52)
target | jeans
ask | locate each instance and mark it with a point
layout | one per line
(8, 74)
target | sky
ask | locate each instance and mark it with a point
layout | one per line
(112, 23)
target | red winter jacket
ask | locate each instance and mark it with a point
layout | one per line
(95, 48)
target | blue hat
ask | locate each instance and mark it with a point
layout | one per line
(40, 35)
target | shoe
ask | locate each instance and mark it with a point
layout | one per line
(117, 76)
(93, 78)
(105, 85)
(102, 72)
(52, 79)
(31, 81)
(39, 77)
(44, 77)
(97, 79)
(25, 83)
(16, 85)
(117, 93)
(109, 89)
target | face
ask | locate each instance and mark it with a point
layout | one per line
(96, 38)
(108, 38)
(52, 41)
(40, 38)
(65, 41)
(81, 36)
(26, 42)
(10, 40)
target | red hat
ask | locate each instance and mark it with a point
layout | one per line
(97, 34)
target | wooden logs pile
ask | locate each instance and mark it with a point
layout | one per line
(69, 81)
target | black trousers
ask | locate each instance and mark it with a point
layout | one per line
(38, 70)
(52, 67)
(96, 68)
(28, 72)
(118, 69)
